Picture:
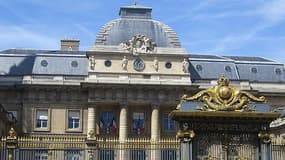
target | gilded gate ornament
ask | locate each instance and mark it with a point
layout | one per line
(91, 134)
(12, 134)
(223, 97)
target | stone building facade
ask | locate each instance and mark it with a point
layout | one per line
(126, 84)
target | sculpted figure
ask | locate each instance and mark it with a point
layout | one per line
(185, 65)
(92, 62)
(125, 63)
(155, 64)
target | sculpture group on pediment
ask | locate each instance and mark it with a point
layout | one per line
(139, 44)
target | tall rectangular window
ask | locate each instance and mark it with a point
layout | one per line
(168, 124)
(138, 123)
(73, 119)
(107, 124)
(42, 119)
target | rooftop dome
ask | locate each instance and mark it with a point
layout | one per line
(136, 20)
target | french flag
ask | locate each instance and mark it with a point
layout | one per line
(114, 125)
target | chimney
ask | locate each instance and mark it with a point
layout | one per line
(70, 44)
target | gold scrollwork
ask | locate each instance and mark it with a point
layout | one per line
(223, 97)
(265, 137)
(185, 136)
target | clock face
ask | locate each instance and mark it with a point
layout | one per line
(139, 64)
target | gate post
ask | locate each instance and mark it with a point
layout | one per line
(185, 136)
(91, 145)
(265, 145)
(11, 143)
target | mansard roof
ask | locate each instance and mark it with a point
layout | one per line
(20, 62)
(256, 69)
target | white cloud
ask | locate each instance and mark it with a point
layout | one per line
(272, 12)
(85, 30)
(21, 37)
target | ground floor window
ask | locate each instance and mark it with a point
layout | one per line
(42, 119)
(73, 119)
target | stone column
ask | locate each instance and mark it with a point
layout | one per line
(123, 132)
(91, 122)
(155, 127)
(155, 131)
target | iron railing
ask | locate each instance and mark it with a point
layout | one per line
(101, 148)
(79, 148)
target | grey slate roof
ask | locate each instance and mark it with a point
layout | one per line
(31, 62)
(136, 20)
(241, 68)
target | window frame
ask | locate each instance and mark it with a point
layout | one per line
(79, 129)
(46, 129)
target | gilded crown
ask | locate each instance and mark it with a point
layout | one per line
(223, 81)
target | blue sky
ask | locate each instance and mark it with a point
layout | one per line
(219, 27)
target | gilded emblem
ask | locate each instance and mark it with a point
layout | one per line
(223, 97)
